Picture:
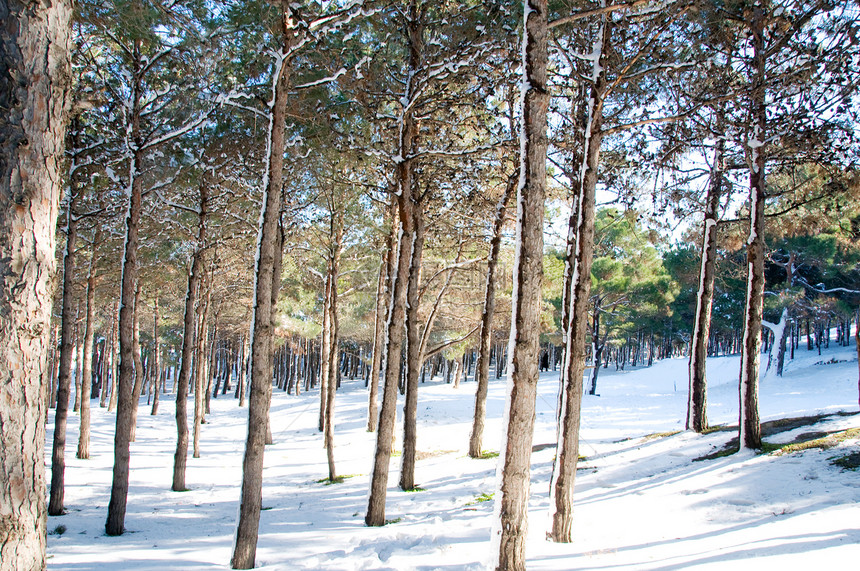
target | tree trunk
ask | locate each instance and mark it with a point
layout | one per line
(67, 347)
(331, 389)
(482, 369)
(138, 365)
(697, 405)
(115, 523)
(567, 450)
(34, 77)
(325, 352)
(750, 426)
(265, 288)
(79, 359)
(156, 353)
(511, 505)
(180, 457)
(407, 140)
(413, 352)
(200, 373)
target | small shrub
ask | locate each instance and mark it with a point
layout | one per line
(481, 498)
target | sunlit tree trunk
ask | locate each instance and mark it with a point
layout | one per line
(265, 288)
(485, 336)
(750, 425)
(697, 417)
(407, 139)
(115, 523)
(180, 457)
(67, 347)
(34, 79)
(567, 450)
(510, 521)
(413, 353)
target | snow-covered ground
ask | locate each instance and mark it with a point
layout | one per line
(640, 503)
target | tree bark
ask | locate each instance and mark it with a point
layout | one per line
(567, 450)
(331, 389)
(156, 354)
(115, 523)
(180, 457)
(200, 372)
(265, 286)
(404, 195)
(79, 359)
(34, 79)
(485, 336)
(67, 347)
(511, 505)
(413, 352)
(750, 426)
(138, 365)
(697, 417)
(382, 296)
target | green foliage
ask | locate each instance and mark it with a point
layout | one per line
(481, 498)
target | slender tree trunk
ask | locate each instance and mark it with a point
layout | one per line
(87, 366)
(180, 457)
(265, 288)
(407, 139)
(567, 451)
(482, 369)
(413, 353)
(325, 352)
(115, 523)
(511, 505)
(750, 426)
(200, 373)
(383, 294)
(67, 347)
(79, 359)
(110, 363)
(331, 389)
(697, 417)
(138, 365)
(156, 353)
(34, 78)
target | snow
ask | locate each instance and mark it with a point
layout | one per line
(640, 503)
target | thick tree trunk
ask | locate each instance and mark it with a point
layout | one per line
(67, 347)
(750, 426)
(34, 77)
(115, 523)
(697, 417)
(180, 457)
(511, 505)
(482, 369)
(262, 328)
(567, 450)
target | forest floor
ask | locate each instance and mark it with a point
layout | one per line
(648, 495)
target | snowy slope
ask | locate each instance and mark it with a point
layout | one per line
(641, 503)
